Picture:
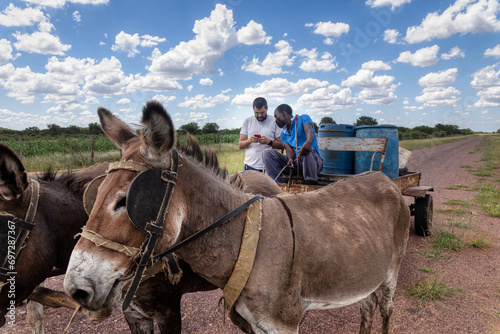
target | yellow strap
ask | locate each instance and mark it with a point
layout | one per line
(248, 250)
(103, 242)
(127, 165)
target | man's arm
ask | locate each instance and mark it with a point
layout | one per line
(290, 154)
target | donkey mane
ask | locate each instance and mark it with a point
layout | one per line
(206, 157)
(74, 181)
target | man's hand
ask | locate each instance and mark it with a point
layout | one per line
(264, 140)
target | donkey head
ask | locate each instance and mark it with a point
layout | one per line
(95, 274)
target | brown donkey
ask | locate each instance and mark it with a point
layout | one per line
(52, 239)
(48, 246)
(323, 249)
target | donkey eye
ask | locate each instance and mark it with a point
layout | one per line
(121, 203)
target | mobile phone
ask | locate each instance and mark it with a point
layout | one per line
(258, 136)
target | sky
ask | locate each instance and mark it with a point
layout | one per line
(402, 62)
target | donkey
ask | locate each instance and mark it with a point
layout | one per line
(53, 239)
(48, 247)
(323, 249)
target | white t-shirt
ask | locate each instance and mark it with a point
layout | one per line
(267, 128)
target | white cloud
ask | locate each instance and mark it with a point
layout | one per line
(201, 101)
(326, 99)
(455, 52)
(487, 81)
(153, 82)
(330, 30)
(380, 3)
(376, 89)
(438, 96)
(214, 36)
(422, 58)
(435, 93)
(40, 42)
(77, 16)
(206, 82)
(493, 52)
(314, 64)
(273, 62)
(5, 51)
(375, 65)
(277, 89)
(441, 78)
(253, 33)
(392, 36)
(163, 99)
(148, 41)
(123, 101)
(129, 43)
(61, 3)
(13, 16)
(462, 17)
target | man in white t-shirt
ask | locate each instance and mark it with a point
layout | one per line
(258, 133)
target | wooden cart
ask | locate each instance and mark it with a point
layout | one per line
(408, 182)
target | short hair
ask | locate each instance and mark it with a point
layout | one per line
(259, 103)
(284, 108)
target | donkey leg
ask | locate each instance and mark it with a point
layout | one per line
(367, 307)
(138, 322)
(34, 313)
(386, 303)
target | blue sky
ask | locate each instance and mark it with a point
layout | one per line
(402, 62)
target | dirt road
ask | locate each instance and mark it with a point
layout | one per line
(476, 309)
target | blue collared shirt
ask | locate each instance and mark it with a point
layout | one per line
(289, 138)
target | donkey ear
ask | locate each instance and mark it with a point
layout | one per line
(114, 128)
(13, 178)
(158, 133)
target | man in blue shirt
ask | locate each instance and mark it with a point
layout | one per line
(301, 146)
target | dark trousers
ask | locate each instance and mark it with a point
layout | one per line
(309, 165)
(246, 167)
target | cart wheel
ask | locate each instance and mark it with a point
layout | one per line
(424, 209)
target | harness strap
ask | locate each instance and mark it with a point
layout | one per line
(100, 241)
(127, 165)
(209, 228)
(246, 257)
(154, 230)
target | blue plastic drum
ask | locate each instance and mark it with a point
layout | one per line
(362, 160)
(337, 162)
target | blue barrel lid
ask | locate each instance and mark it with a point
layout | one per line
(336, 127)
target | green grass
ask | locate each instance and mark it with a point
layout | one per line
(458, 186)
(488, 198)
(427, 270)
(432, 289)
(480, 242)
(448, 241)
(416, 144)
(459, 212)
(459, 224)
(458, 202)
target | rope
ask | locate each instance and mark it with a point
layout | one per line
(72, 318)
(103, 242)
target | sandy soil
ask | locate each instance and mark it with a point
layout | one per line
(475, 309)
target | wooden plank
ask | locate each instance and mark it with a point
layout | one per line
(352, 144)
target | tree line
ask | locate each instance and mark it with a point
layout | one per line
(54, 130)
